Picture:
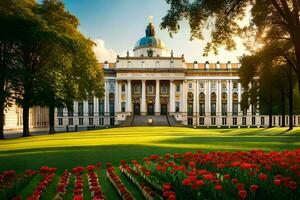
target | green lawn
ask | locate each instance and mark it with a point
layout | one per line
(67, 150)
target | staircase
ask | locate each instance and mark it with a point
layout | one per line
(156, 120)
(128, 122)
(172, 121)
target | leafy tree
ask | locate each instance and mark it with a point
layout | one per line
(269, 19)
(12, 15)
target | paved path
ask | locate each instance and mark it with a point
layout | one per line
(16, 133)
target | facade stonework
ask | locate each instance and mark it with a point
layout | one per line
(154, 82)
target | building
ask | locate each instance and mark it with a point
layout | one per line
(154, 82)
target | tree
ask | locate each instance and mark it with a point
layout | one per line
(12, 14)
(270, 67)
(270, 18)
(73, 71)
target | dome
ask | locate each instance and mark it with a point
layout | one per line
(150, 40)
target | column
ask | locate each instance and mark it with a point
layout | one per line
(172, 97)
(208, 98)
(143, 103)
(195, 83)
(219, 98)
(181, 97)
(239, 97)
(120, 96)
(129, 104)
(96, 106)
(157, 98)
(117, 96)
(229, 97)
(184, 96)
(106, 99)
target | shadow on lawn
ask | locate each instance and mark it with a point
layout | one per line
(69, 157)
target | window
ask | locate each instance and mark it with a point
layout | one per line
(91, 121)
(123, 106)
(213, 104)
(91, 108)
(137, 89)
(123, 87)
(101, 108)
(80, 108)
(245, 112)
(190, 109)
(60, 112)
(262, 121)
(112, 121)
(190, 121)
(60, 121)
(224, 104)
(253, 121)
(177, 87)
(101, 121)
(224, 121)
(190, 85)
(202, 104)
(150, 89)
(177, 106)
(164, 88)
(201, 120)
(234, 104)
(234, 121)
(80, 121)
(70, 121)
(244, 121)
(213, 121)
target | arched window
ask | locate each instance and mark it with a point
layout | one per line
(112, 104)
(213, 104)
(224, 104)
(202, 104)
(235, 104)
(190, 103)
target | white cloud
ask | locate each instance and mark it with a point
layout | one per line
(102, 53)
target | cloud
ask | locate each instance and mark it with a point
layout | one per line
(102, 53)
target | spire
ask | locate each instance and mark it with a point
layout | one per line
(150, 30)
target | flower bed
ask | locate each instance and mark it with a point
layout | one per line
(147, 191)
(224, 175)
(48, 175)
(11, 183)
(117, 183)
(62, 185)
(78, 188)
(94, 186)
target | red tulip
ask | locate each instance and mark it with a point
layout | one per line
(263, 177)
(218, 187)
(292, 185)
(243, 194)
(254, 188)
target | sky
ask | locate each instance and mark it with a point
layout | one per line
(116, 25)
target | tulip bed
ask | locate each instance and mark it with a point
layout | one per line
(214, 175)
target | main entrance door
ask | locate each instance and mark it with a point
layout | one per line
(163, 109)
(136, 109)
(150, 109)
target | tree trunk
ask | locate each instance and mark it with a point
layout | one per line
(51, 120)
(2, 122)
(270, 112)
(282, 109)
(26, 120)
(290, 98)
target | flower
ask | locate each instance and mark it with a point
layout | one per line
(292, 185)
(277, 182)
(243, 194)
(254, 188)
(200, 182)
(218, 187)
(263, 177)
(186, 182)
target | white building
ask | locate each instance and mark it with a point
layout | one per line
(154, 82)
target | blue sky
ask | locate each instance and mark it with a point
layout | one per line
(118, 24)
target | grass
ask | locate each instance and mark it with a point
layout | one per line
(67, 150)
